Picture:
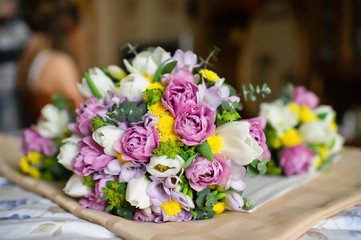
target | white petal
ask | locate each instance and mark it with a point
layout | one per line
(75, 187)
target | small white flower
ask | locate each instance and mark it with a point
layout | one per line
(162, 166)
(68, 151)
(133, 86)
(136, 193)
(280, 116)
(146, 63)
(101, 81)
(106, 137)
(75, 187)
(238, 144)
(326, 110)
(317, 132)
(55, 122)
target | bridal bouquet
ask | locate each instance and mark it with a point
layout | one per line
(162, 141)
(40, 143)
(301, 134)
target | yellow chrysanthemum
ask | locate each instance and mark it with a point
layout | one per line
(34, 157)
(291, 138)
(158, 110)
(172, 208)
(333, 125)
(165, 128)
(34, 172)
(24, 165)
(156, 85)
(294, 107)
(165, 137)
(216, 144)
(219, 207)
(323, 151)
(305, 114)
(210, 75)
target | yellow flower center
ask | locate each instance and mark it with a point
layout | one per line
(34, 157)
(210, 75)
(294, 107)
(219, 207)
(305, 114)
(161, 168)
(172, 208)
(216, 144)
(119, 157)
(291, 138)
(323, 152)
(158, 110)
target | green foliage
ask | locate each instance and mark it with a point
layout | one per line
(188, 154)
(213, 55)
(126, 212)
(247, 204)
(92, 86)
(227, 112)
(164, 68)
(89, 182)
(252, 92)
(205, 151)
(153, 96)
(204, 204)
(169, 149)
(286, 93)
(60, 101)
(273, 169)
(52, 170)
(130, 111)
(114, 193)
(257, 167)
(132, 49)
(322, 116)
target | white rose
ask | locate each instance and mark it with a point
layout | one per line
(68, 151)
(133, 86)
(238, 144)
(317, 132)
(136, 193)
(280, 116)
(55, 122)
(336, 144)
(101, 81)
(326, 110)
(106, 137)
(146, 63)
(162, 166)
(75, 187)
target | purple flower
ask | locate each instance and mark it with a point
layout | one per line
(234, 201)
(238, 172)
(132, 170)
(147, 120)
(186, 60)
(139, 216)
(91, 157)
(158, 192)
(85, 113)
(179, 94)
(33, 141)
(296, 160)
(202, 172)
(138, 143)
(195, 124)
(303, 97)
(212, 97)
(257, 125)
(182, 216)
(93, 201)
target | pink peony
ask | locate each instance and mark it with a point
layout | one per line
(138, 143)
(202, 172)
(94, 201)
(33, 141)
(195, 124)
(296, 160)
(91, 157)
(303, 97)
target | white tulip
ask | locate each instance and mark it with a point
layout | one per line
(238, 144)
(133, 86)
(136, 193)
(55, 122)
(162, 166)
(68, 151)
(317, 132)
(106, 137)
(280, 116)
(75, 187)
(330, 114)
(336, 144)
(101, 81)
(146, 63)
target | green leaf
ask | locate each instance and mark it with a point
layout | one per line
(262, 168)
(322, 116)
(201, 200)
(221, 195)
(169, 67)
(109, 184)
(92, 86)
(205, 151)
(252, 172)
(158, 72)
(189, 160)
(59, 101)
(109, 208)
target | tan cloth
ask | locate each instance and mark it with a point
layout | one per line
(286, 217)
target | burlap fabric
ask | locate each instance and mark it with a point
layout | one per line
(286, 217)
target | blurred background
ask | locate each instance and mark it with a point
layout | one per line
(311, 43)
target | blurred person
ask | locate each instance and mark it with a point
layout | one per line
(47, 65)
(13, 37)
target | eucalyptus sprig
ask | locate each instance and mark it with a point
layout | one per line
(132, 49)
(130, 111)
(252, 92)
(212, 56)
(257, 167)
